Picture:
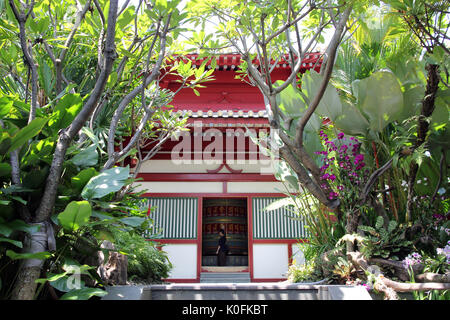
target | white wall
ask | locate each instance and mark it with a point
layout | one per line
(270, 260)
(255, 187)
(297, 255)
(184, 260)
(179, 187)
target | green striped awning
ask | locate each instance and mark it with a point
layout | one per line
(275, 224)
(174, 218)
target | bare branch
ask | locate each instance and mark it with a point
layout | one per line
(62, 55)
(334, 43)
(27, 52)
(130, 96)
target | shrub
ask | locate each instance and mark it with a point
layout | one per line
(304, 273)
(145, 261)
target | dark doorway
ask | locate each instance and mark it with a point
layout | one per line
(229, 214)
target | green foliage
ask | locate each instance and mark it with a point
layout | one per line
(85, 205)
(83, 294)
(379, 101)
(344, 270)
(65, 112)
(26, 133)
(387, 242)
(76, 215)
(293, 103)
(145, 261)
(434, 263)
(111, 180)
(304, 273)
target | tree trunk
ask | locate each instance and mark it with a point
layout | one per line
(30, 269)
(25, 285)
(422, 129)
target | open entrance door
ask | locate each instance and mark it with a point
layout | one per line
(229, 214)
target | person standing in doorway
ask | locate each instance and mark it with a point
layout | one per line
(222, 249)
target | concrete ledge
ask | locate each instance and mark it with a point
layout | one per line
(237, 291)
(232, 286)
(253, 291)
(125, 292)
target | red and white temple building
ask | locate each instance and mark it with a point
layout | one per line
(215, 177)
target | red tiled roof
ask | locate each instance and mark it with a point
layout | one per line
(227, 94)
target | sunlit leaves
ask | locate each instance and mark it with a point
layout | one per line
(126, 17)
(87, 157)
(5, 106)
(80, 180)
(111, 180)
(65, 112)
(26, 133)
(75, 215)
(19, 256)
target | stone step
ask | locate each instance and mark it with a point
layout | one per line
(225, 269)
(224, 280)
(225, 275)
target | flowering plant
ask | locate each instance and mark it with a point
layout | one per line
(411, 260)
(342, 169)
(445, 252)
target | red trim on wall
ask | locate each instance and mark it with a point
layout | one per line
(289, 248)
(206, 177)
(250, 234)
(175, 241)
(197, 280)
(213, 195)
(243, 270)
(287, 241)
(199, 236)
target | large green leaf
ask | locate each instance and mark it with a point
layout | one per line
(133, 221)
(17, 225)
(126, 17)
(41, 150)
(87, 157)
(280, 203)
(291, 102)
(5, 106)
(330, 105)
(5, 169)
(351, 121)
(83, 294)
(111, 180)
(65, 112)
(26, 133)
(14, 242)
(18, 256)
(412, 98)
(380, 98)
(75, 215)
(83, 177)
(45, 77)
(440, 116)
(5, 142)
